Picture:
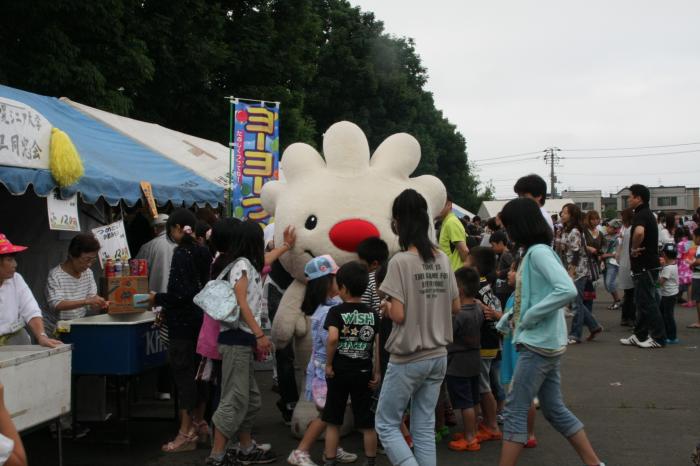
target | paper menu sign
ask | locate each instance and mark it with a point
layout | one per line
(150, 200)
(25, 136)
(113, 242)
(63, 213)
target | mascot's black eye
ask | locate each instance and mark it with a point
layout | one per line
(311, 222)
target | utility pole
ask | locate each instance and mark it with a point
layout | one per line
(552, 158)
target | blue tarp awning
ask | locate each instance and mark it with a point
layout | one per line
(114, 163)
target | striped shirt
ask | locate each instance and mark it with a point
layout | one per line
(370, 296)
(61, 286)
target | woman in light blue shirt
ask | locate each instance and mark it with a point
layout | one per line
(542, 289)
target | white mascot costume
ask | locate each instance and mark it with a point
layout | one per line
(334, 205)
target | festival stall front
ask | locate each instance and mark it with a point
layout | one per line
(62, 172)
(115, 167)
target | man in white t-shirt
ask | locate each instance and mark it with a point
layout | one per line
(534, 187)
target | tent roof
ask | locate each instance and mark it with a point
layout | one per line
(460, 211)
(490, 209)
(207, 158)
(114, 164)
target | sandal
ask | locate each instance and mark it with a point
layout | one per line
(183, 442)
(202, 431)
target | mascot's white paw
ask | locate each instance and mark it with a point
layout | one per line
(335, 204)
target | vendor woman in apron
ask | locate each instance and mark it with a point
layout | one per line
(18, 308)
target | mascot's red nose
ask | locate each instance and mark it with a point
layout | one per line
(346, 235)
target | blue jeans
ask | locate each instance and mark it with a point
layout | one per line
(537, 375)
(417, 383)
(582, 315)
(649, 321)
(611, 277)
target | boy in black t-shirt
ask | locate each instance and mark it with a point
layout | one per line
(352, 362)
(484, 260)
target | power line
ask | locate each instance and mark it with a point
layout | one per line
(501, 162)
(655, 154)
(632, 148)
(635, 174)
(507, 156)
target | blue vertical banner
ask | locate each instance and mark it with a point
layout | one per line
(255, 153)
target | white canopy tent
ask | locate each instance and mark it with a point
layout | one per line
(460, 211)
(490, 209)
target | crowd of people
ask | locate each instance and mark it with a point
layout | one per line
(471, 322)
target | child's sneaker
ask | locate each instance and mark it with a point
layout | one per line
(342, 456)
(486, 435)
(300, 458)
(464, 445)
(672, 341)
(256, 455)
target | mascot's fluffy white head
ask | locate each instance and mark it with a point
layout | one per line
(337, 203)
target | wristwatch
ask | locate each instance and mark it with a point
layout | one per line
(43, 334)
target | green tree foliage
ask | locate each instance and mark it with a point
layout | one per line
(173, 62)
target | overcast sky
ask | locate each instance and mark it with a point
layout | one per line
(521, 76)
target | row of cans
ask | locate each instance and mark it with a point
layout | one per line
(124, 268)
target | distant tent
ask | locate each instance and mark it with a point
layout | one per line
(460, 211)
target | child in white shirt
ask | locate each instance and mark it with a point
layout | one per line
(668, 279)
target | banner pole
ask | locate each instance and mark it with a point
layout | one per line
(229, 200)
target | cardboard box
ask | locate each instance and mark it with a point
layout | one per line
(120, 291)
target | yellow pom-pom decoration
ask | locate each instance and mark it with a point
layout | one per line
(64, 162)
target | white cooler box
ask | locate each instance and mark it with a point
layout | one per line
(37, 383)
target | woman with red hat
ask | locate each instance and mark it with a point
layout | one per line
(18, 308)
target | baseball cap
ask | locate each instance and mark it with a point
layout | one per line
(670, 248)
(320, 267)
(615, 223)
(160, 219)
(8, 248)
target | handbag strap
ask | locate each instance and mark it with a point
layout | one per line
(228, 268)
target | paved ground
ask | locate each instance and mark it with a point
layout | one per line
(640, 408)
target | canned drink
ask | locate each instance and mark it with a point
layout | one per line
(109, 268)
(143, 267)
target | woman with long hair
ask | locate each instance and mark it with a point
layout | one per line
(573, 252)
(239, 345)
(542, 289)
(421, 295)
(189, 272)
(595, 241)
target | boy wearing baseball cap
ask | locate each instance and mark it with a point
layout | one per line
(668, 279)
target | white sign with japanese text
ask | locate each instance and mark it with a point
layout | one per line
(112, 240)
(63, 213)
(25, 136)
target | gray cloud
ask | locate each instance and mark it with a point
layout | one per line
(520, 76)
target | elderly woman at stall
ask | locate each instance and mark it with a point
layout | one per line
(71, 290)
(18, 308)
